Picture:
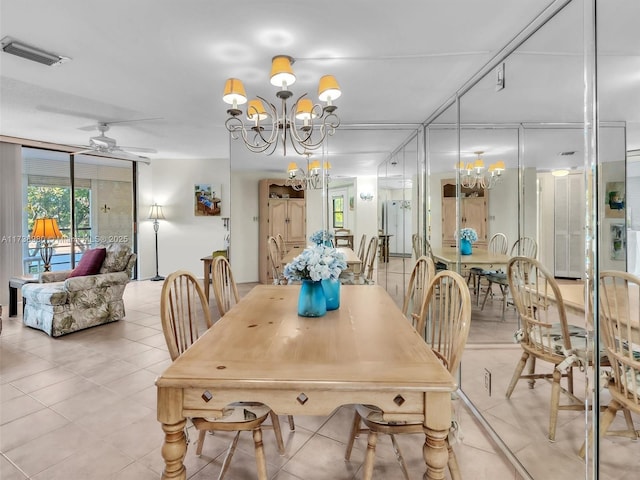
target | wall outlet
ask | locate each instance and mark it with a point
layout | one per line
(487, 381)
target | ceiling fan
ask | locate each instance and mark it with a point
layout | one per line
(101, 144)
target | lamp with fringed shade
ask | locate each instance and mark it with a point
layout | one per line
(46, 231)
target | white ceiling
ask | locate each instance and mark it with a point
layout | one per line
(396, 63)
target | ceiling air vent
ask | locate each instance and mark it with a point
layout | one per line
(567, 154)
(13, 47)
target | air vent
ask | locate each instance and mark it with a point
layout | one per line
(567, 154)
(31, 53)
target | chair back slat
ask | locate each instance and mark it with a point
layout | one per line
(619, 314)
(446, 313)
(362, 248)
(525, 247)
(498, 244)
(184, 311)
(224, 286)
(274, 257)
(370, 259)
(423, 272)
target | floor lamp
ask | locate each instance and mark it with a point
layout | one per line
(46, 230)
(156, 214)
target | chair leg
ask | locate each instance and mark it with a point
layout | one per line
(532, 370)
(261, 461)
(292, 426)
(489, 287)
(396, 449)
(630, 426)
(228, 456)
(555, 403)
(201, 435)
(516, 374)
(605, 423)
(452, 463)
(276, 429)
(370, 457)
(355, 429)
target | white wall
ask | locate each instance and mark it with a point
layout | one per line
(10, 217)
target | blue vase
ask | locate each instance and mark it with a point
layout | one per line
(331, 288)
(311, 301)
(465, 247)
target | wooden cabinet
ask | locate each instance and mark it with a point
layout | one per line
(282, 211)
(474, 211)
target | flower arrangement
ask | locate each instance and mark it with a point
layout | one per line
(318, 262)
(321, 236)
(468, 234)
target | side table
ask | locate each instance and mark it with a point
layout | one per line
(14, 284)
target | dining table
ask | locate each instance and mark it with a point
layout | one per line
(479, 258)
(365, 352)
(353, 261)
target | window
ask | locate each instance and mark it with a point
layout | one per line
(338, 212)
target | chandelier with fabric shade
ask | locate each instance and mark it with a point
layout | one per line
(312, 178)
(46, 231)
(304, 125)
(474, 174)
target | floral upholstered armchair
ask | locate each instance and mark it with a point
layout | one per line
(91, 294)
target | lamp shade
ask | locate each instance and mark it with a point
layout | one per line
(281, 72)
(304, 110)
(292, 168)
(328, 88)
(255, 110)
(315, 165)
(46, 229)
(155, 212)
(234, 91)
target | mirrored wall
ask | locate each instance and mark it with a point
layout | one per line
(566, 189)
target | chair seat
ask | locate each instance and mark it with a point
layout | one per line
(579, 341)
(374, 414)
(497, 277)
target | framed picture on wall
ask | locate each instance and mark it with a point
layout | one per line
(614, 198)
(206, 200)
(618, 241)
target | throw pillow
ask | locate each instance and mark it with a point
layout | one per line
(90, 263)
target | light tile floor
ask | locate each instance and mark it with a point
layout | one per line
(83, 406)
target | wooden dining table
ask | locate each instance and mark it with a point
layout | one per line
(353, 261)
(366, 352)
(480, 258)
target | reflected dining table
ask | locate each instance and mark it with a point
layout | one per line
(365, 352)
(353, 261)
(479, 258)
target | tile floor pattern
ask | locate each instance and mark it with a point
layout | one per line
(83, 406)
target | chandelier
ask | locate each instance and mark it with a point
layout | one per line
(305, 125)
(298, 179)
(474, 174)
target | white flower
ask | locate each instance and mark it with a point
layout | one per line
(318, 262)
(468, 234)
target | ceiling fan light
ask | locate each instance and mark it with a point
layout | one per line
(256, 110)
(328, 88)
(234, 92)
(304, 110)
(281, 72)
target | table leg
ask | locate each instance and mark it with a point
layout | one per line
(436, 428)
(174, 450)
(13, 301)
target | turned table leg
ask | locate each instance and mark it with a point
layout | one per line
(436, 428)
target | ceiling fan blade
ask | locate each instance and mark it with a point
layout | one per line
(89, 128)
(117, 154)
(137, 149)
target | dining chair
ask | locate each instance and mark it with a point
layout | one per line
(429, 252)
(362, 247)
(281, 245)
(343, 237)
(497, 244)
(184, 312)
(275, 257)
(226, 293)
(423, 272)
(446, 314)
(619, 314)
(416, 245)
(545, 335)
(525, 247)
(370, 259)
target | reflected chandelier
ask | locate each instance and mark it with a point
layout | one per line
(474, 174)
(305, 125)
(298, 179)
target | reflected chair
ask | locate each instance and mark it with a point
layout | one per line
(343, 237)
(497, 244)
(224, 286)
(275, 257)
(281, 245)
(429, 252)
(423, 272)
(369, 261)
(362, 248)
(448, 314)
(416, 244)
(545, 336)
(524, 247)
(619, 314)
(185, 315)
